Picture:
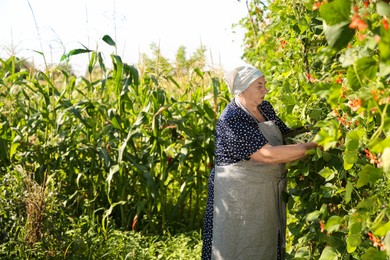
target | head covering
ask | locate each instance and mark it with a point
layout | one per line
(239, 79)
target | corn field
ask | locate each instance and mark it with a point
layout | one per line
(121, 148)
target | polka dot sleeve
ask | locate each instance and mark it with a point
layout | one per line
(237, 136)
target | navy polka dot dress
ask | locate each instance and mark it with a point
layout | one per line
(237, 136)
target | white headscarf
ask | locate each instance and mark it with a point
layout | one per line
(241, 78)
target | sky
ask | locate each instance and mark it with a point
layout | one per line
(55, 27)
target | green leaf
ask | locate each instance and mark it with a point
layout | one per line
(116, 122)
(141, 119)
(385, 158)
(351, 55)
(386, 242)
(384, 69)
(316, 113)
(328, 136)
(348, 192)
(384, 46)
(328, 190)
(302, 25)
(113, 169)
(366, 204)
(313, 215)
(329, 253)
(368, 175)
(339, 35)
(109, 211)
(334, 96)
(382, 230)
(350, 157)
(118, 71)
(350, 249)
(333, 223)
(327, 174)
(92, 62)
(352, 139)
(12, 151)
(336, 11)
(123, 147)
(115, 119)
(355, 228)
(107, 39)
(354, 240)
(104, 154)
(373, 254)
(74, 52)
(367, 68)
(383, 8)
(302, 253)
(353, 79)
(347, 166)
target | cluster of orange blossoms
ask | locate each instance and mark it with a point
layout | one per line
(380, 96)
(317, 5)
(373, 158)
(283, 43)
(357, 21)
(355, 104)
(342, 119)
(376, 241)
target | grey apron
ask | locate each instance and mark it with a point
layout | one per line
(248, 208)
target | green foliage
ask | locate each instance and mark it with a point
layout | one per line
(327, 68)
(114, 150)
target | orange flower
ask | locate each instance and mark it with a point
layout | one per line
(283, 43)
(376, 241)
(374, 94)
(385, 24)
(355, 104)
(343, 120)
(372, 157)
(339, 80)
(317, 5)
(358, 23)
(322, 226)
(310, 78)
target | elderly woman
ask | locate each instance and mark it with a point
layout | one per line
(245, 213)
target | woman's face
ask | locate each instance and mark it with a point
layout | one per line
(256, 92)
